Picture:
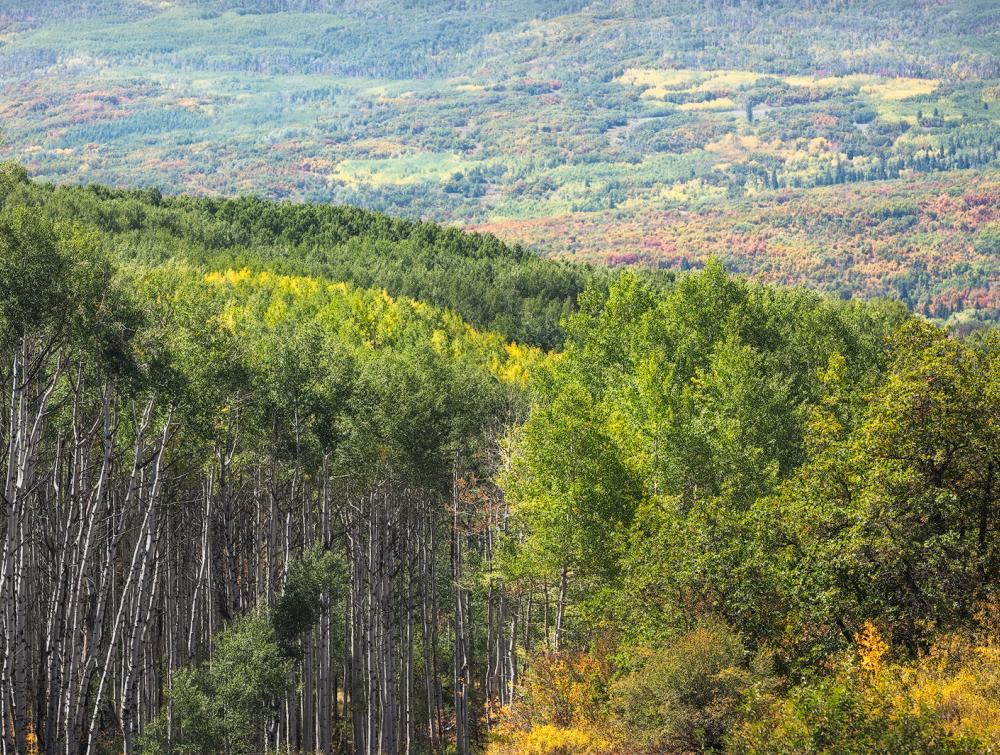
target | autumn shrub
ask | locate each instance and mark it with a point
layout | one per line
(685, 696)
(945, 702)
(958, 679)
(559, 708)
(552, 740)
(565, 689)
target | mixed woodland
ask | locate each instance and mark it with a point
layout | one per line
(302, 478)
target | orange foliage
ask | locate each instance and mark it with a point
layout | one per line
(867, 239)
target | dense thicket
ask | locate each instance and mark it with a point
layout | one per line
(748, 500)
(247, 510)
(186, 452)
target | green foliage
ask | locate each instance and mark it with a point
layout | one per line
(574, 495)
(228, 701)
(988, 239)
(669, 415)
(246, 674)
(288, 391)
(778, 470)
(12, 175)
(794, 466)
(490, 284)
(57, 283)
(200, 728)
(895, 518)
(548, 123)
(311, 580)
(685, 696)
(224, 704)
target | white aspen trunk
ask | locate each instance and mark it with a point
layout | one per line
(145, 590)
(461, 661)
(560, 607)
(124, 601)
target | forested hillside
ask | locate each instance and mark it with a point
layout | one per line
(659, 133)
(490, 284)
(274, 482)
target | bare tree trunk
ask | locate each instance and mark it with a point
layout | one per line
(461, 659)
(560, 608)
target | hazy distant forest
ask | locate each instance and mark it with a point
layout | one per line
(307, 449)
(846, 145)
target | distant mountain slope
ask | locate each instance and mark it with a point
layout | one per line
(580, 117)
(932, 241)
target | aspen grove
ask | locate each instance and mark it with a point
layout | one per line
(254, 502)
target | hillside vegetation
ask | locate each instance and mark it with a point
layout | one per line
(652, 133)
(490, 284)
(255, 502)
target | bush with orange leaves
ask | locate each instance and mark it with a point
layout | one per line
(945, 701)
(559, 710)
(680, 698)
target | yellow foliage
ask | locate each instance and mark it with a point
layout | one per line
(818, 144)
(899, 88)
(32, 740)
(229, 277)
(663, 79)
(656, 84)
(400, 170)
(957, 682)
(654, 93)
(295, 285)
(562, 687)
(902, 88)
(722, 103)
(367, 319)
(230, 316)
(439, 341)
(515, 367)
(735, 147)
(559, 711)
(960, 682)
(872, 648)
(684, 191)
(338, 289)
(948, 697)
(277, 312)
(727, 80)
(551, 740)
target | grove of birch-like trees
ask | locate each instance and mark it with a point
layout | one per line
(258, 494)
